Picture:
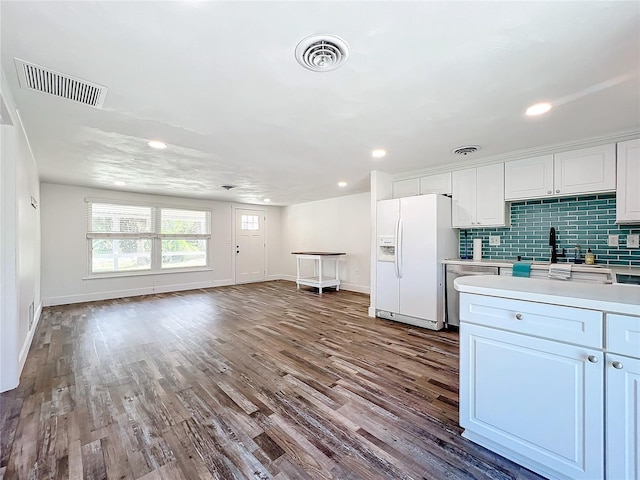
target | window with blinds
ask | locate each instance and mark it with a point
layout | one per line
(129, 238)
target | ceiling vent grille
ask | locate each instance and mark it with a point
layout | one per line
(41, 79)
(466, 150)
(322, 53)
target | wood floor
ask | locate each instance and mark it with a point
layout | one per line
(252, 381)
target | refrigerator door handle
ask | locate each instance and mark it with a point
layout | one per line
(399, 248)
(395, 255)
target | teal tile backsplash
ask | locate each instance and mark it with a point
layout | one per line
(585, 221)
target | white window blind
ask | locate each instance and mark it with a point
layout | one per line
(119, 220)
(184, 222)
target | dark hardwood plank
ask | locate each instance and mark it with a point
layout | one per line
(251, 381)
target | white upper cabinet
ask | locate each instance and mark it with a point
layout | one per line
(440, 183)
(406, 188)
(463, 207)
(628, 192)
(588, 170)
(528, 178)
(478, 197)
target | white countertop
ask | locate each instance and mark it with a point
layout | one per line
(581, 267)
(616, 298)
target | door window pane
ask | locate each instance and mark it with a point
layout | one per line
(184, 253)
(250, 222)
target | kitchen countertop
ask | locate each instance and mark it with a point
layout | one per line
(598, 268)
(616, 298)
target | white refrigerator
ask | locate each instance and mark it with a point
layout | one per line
(414, 235)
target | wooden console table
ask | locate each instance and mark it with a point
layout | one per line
(318, 280)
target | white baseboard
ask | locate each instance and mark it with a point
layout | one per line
(372, 311)
(24, 351)
(279, 277)
(135, 292)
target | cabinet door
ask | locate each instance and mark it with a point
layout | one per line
(537, 402)
(490, 205)
(406, 188)
(463, 206)
(440, 183)
(588, 170)
(528, 178)
(623, 417)
(628, 173)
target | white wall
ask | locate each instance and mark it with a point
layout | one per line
(338, 224)
(65, 248)
(19, 244)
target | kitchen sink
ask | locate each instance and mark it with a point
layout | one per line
(548, 264)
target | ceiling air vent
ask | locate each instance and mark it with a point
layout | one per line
(466, 150)
(41, 79)
(321, 53)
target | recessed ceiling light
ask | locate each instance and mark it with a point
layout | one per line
(267, 200)
(342, 184)
(538, 109)
(157, 144)
(378, 153)
(119, 183)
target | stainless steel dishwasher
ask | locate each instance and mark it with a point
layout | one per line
(452, 295)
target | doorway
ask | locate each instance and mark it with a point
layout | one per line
(250, 246)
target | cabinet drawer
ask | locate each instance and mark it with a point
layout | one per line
(623, 335)
(564, 324)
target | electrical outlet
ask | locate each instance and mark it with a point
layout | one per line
(613, 241)
(633, 241)
(494, 240)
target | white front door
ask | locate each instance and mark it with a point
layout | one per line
(250, 246)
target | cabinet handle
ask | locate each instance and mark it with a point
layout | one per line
(549, 192)
(557, 191)
(617, 365)
(519, 316)
(592, 359)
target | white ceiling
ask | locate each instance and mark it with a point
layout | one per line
(218, 82)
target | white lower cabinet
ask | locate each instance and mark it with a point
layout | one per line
(554, 388)
(623, 397)
(623, 417)
(531, 400)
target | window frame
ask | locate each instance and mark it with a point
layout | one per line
(154, 235)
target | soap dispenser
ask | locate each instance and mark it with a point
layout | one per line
(577, 258)
(589, 258)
